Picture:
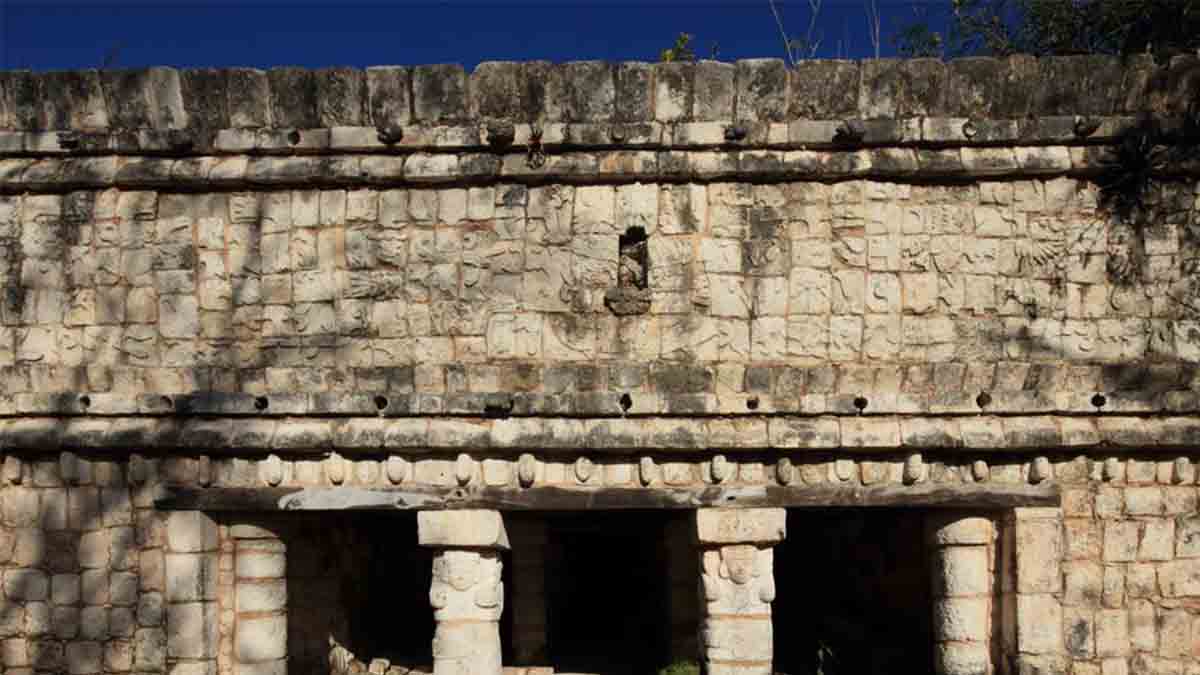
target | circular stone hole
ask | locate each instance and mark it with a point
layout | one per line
(860, 402)
(381, 402)
(293, 137)
(983, 400)
(1099, 400)
(261, 403)
(85, 401)
(752, 403)
(166, 402)
(626, 402)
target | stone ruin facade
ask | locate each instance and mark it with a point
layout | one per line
(409, 370)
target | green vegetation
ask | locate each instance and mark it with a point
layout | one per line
(680, 51)
(1046, 27)
(681, 668)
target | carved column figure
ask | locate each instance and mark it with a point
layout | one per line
(737, 587)
(467, 594)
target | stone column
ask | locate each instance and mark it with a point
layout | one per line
(962, 554)
(260, 600)
(529, 591)
(190, 566)
(737, 587)
(467, 594)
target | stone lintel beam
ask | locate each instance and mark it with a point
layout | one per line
(462, 529)
(716, 527)
(990, 496)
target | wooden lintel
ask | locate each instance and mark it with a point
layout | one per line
(973, 496)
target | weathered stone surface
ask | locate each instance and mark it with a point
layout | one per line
(734, 526)
(462, 529)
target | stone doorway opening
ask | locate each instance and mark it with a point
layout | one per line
(853, 593)
(614, 592)
(358, 593)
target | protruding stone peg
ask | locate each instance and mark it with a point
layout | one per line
(843, 469)
(390, 133)
(397, 469)
(500, 133)
(1040, 470)
(914, 469)
(980, 471)
(270, 470)
(1086, 126)
(12, 470)
(583, 469)
(526, 469)
(785, 473)
(1181, 471)
(735, 133)
(647, 471)
(335, 468)
(850, 131)
(464, 466)
(719, 469)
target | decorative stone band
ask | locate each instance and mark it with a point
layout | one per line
(201, 101)
(805, 134)
(614, 166)
(441, 434)
(847, 397)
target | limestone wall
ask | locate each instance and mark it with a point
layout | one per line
(900, 278)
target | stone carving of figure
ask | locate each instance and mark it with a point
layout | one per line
(631, 273)
(738, 579)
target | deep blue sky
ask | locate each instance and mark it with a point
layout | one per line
(54, 35)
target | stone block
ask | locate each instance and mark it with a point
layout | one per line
(961, 658)
(190, 577)
(1180, 578)
(465, 529)
(1039, 624)
(279, 667)
(261, 639)
(261, 595)
(962, 619)
(961, 571)
(439, 93)
(192, 630)
(1039, 550)
(952, 530)
(84, 658)
(824, 90)
(734, 526)
(190, 532)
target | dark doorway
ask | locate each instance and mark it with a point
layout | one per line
(853, 593)
(361, 582)
(607, 592)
